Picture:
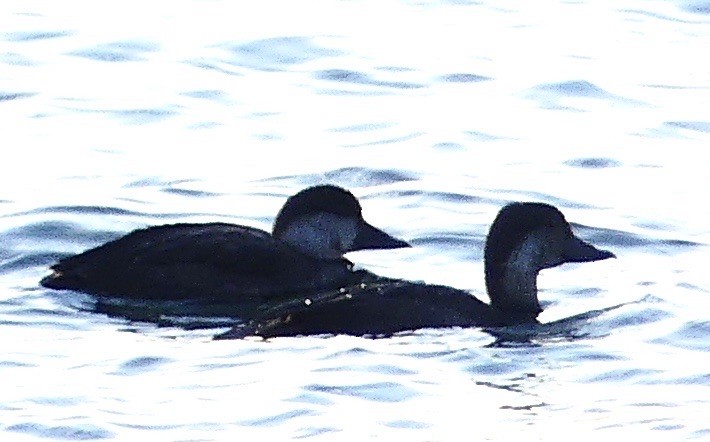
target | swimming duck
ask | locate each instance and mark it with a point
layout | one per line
(524, 239)
(218, 262)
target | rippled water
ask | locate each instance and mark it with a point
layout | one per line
(117, 115)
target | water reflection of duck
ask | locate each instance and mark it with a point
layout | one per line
(226, 262)
(524, 239)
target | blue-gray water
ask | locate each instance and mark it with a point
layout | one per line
(117, 115)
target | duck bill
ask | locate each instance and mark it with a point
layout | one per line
(370, 237)
(577, 250)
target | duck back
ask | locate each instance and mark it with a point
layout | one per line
(211, 262)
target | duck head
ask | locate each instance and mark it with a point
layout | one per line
(326, 222)
(524, 239)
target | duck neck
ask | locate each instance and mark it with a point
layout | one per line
(512, 287)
